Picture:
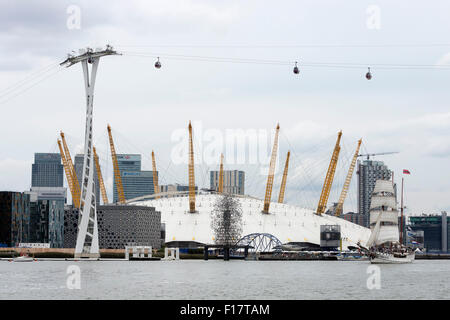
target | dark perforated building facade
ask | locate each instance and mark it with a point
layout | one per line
(118, 226)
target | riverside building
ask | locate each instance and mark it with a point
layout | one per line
(47, 215)
(14, 218)
(435, 228)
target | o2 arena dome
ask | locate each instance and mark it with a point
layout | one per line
(288, 223)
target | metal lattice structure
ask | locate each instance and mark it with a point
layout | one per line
(322, 206)
(269, 184)
(117, 177)
(76, 195)
(348, 179)
(259, 242)
(191, 173)
(283, 181)
(68, 173)
(100, 178)
(155, 176)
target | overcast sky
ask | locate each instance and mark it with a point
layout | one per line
(400, 109)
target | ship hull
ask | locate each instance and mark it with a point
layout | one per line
(389, 258)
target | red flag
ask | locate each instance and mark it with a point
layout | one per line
(406, 171)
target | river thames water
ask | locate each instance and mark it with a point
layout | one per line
(217, 279)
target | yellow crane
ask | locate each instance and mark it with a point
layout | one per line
(155, 176)
(76, 186)
(68, 173)
(269, 184)
(321, 207)
(283, 181)
(100, 178)
(221, 174)
(348, 179)
(191, 172)
(117, 177)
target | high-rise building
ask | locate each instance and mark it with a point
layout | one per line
(129, 162)
(14, 218)
(135, 182)
(233, 181)
(126, 162)
(47, 215)
(79, 158)
(368, 173)
(47, 170)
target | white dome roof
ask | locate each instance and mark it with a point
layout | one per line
(286, 222)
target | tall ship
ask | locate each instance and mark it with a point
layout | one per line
(384, 245)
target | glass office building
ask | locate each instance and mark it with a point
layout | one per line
(135, 182)
(47, 170)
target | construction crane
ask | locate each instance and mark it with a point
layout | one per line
(221, 174)
(191, 173)
(269, 184)
(329, 177)
(368, 155)
(76, 186)
(100, 178)
(117, 177)
(68, 173)
(348, 179)
(283, 181)
(155, 176)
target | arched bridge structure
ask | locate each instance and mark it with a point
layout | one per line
(259, 242)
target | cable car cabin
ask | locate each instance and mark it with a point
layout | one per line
(296, 71)
(368, 75)
(157, 64)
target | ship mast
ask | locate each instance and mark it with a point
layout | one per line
(401, 215)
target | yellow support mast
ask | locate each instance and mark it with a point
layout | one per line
(321, 207)
(269, 184)
(155, 176)
(100, 178)
(191, 172)
(348, 179)
(76, 186)
(117, 177)
(221, 174)
(68, 173)
(283, 181)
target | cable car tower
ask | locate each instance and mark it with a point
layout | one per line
(87, 238)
